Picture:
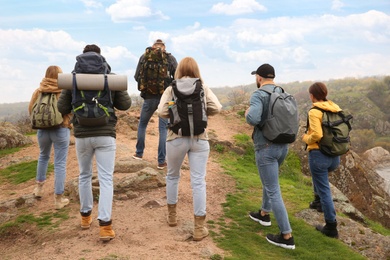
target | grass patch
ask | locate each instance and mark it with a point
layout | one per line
(46, 220)
(244, 238)
(21, 172)
(4, 152)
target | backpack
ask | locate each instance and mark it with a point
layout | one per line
(45, 114)
(187, 113)
(153, 76)
(282, 121)
(336, 127)
(91, 63)
(91, 107)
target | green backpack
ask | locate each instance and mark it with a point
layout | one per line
(336, 127)
(45, 114)
(153, 72)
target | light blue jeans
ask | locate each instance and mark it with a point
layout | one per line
(198, 154)
(59, 138)
(104, 148)
(148, 108)
(320, 165)
(268, 160)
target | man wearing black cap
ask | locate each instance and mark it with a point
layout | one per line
(269, 156)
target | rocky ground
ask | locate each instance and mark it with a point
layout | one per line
(140, 220)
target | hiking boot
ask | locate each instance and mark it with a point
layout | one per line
(137, 157)
(106, 233)
(86, 220)
(60, 201)
(263, 220)
(316, 204)
(172, 218)
(38, 190)
(278, 240)
(200, 231)
(329, 230)
(161, 166)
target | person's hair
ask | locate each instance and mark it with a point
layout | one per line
(187, 67)
(159, 45)
(91, 47)
(52, 72)
(319, 91)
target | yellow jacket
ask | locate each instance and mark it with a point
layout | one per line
(314, 133)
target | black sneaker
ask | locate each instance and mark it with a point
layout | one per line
(278, 240)
(263, 220)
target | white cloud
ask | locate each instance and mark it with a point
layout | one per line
(153, 36)
(91, 4)
(127, 10)
(337, 5)
(238, 7)
(26, 55)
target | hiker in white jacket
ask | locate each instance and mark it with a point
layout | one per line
(195, 146)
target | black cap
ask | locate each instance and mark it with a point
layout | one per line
(265, 71)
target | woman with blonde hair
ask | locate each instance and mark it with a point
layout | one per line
(185, 140)
(57, 137)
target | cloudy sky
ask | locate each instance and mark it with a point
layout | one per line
(303, 40)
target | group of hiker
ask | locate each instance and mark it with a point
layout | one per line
(176, 91)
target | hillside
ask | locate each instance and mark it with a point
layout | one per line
(366, 98)
(139, 217)
(142, 232)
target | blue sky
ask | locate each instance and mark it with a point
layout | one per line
(303, 40)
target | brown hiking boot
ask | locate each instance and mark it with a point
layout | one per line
(38, 190)
(200, 231)
(86, 222)
(172, 218)
(60, 201)
(106, 232)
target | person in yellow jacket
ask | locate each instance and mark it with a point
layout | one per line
(47, 138)
(321, 164)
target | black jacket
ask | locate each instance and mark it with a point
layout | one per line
(121, 101)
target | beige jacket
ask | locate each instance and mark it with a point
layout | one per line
(50, 86)
(212, 104)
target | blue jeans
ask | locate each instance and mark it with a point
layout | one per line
(268, 160)
(104, 148)
(320, 165)
(148, 108)
(198, 154)
(59, 138)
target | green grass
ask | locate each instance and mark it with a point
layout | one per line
(47, 220)
(4, 152)
(21, 172)
(245, 239)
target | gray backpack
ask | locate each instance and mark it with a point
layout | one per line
(282, 121)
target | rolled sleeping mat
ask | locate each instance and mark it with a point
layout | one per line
(92, 81)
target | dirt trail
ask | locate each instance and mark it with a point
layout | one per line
(141, 232)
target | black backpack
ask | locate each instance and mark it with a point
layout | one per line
(187, 113)
(91, 107)
(336, 127)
